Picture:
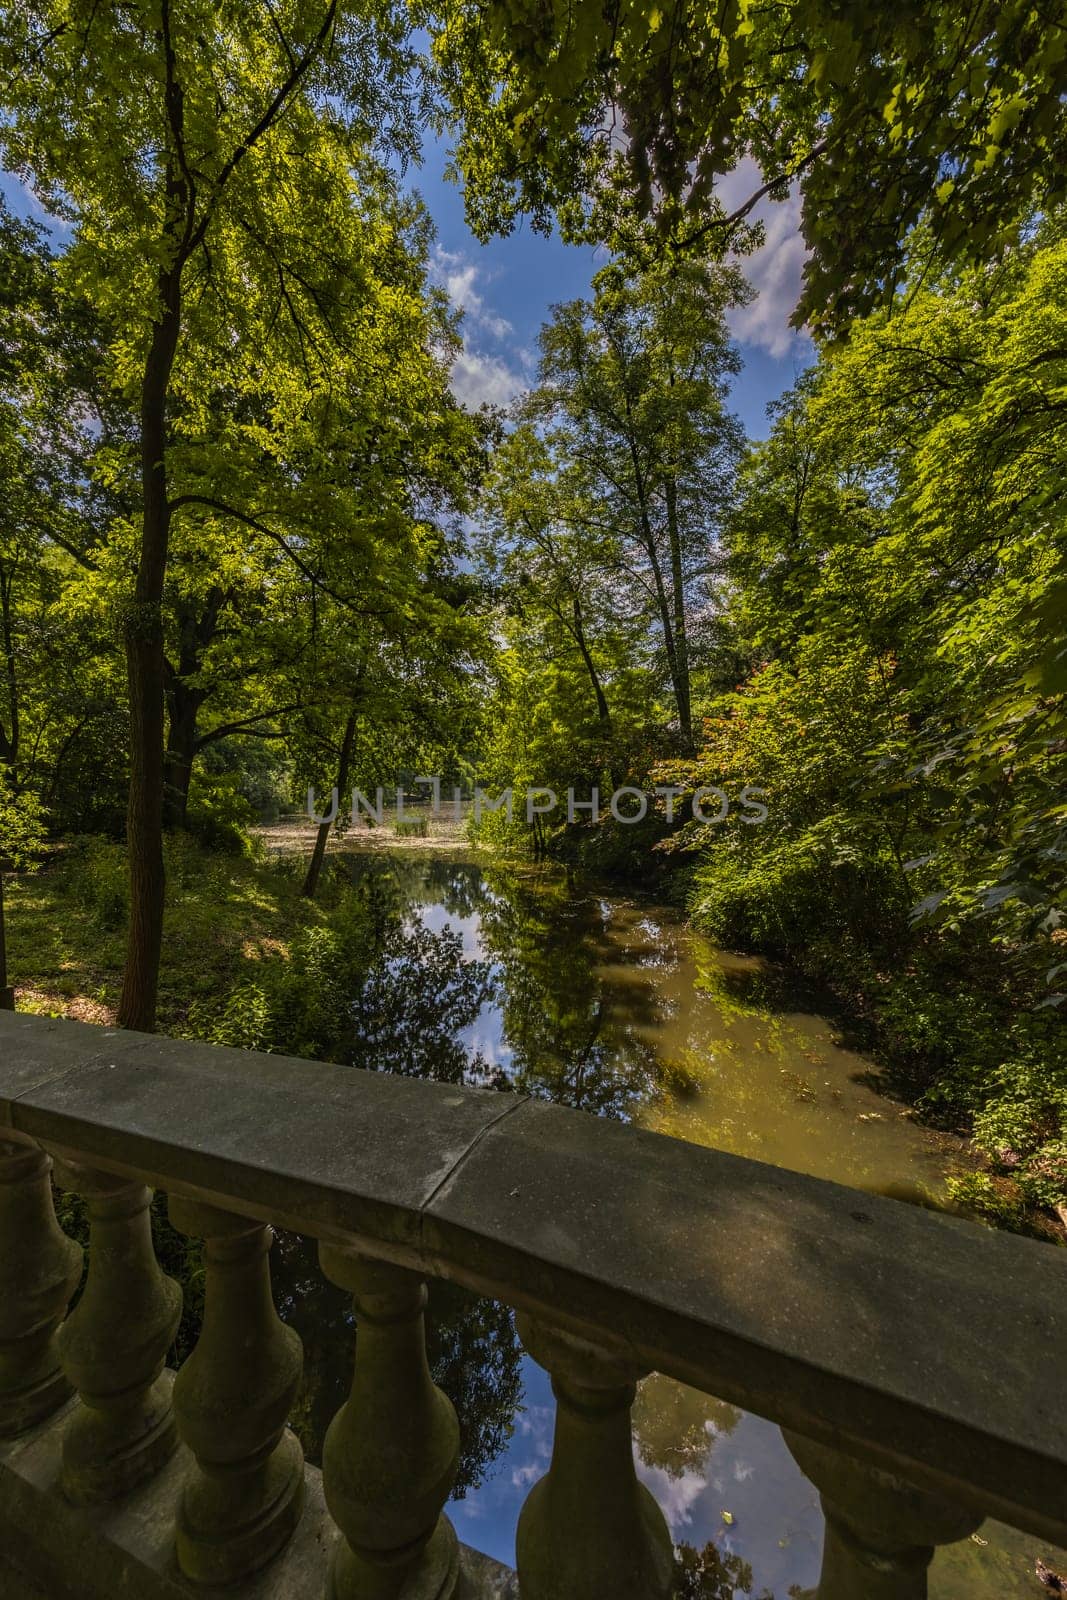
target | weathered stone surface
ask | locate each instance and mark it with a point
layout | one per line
(35, 1051)
(391, 1452)
(14, 1585)
(125, 1551)
(482, 1578)
(232, 1399)
(39, 1271)
(880, 1533)
(114, 1344)
(928, 1345)
(264, 1135)
(588, 1527)
(934, 1346)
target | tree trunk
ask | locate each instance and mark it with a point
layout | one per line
(183, 705)
(681, 640)
(666, 610)
(578, 629)
(603, 711)
(311, 881)
(145, 669)
(7, 993)
(9, 739)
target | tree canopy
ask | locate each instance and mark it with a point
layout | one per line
(888, 117)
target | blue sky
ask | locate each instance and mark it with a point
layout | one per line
(507, 287)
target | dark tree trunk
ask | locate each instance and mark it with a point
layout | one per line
(344, 764)
(682, 692)
(184, 704)
(180, 754)
(9, 737)
(145, 669)
(578, 629)
(679, 687)
(7, 993)
(603, 711)
(182, 235)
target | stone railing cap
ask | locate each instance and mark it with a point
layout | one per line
(923, 1342)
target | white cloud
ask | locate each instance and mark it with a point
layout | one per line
(24, 200)
(676, 1497)
(457, 276)
(479, 379)
(479, 376)
(774, 270)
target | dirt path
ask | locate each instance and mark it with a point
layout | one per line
(296, 835)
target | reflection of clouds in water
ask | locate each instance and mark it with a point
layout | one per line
(676, 1496)
(486, 1517)
(436, 918)
(534, 1426)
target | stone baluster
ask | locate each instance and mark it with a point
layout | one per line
(589, 1527)
(392, 1451)
(39, 1271)
(114, 1344)
(231, 1401)
(881, 1533)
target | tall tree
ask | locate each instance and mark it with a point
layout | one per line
(194, 150)
(633, 394)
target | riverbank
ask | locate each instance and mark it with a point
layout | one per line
(295, 835)
(247, 959)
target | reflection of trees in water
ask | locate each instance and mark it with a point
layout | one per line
(414, 1003)
(475, 1356)
(578, 1027)
(424, 879)
(473, 1350)
(712, 1574)
(675, 1426)
(458, 886)
(580, 1030)
(570, 1026)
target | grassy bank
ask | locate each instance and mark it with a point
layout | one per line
(226, 916)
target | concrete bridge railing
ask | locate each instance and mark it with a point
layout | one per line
(917, 1362)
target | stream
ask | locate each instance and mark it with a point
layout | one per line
(610, 1004)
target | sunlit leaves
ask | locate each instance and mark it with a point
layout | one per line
(875, 110)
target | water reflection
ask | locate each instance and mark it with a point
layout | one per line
(512, 977)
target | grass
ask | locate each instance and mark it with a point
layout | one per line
(411, 828)
(66, 927)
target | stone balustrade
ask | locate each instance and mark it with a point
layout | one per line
(916, 1361)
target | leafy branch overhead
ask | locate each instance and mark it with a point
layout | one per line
(887, 118)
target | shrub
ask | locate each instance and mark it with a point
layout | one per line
(411, 827)
(98, 882)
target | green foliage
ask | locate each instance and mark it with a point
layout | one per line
(886, 117)
(219, 814)
(21, 825)
(245, 1020)
(358, 985)
(93, 874)
(895, 558)
(601, 514)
